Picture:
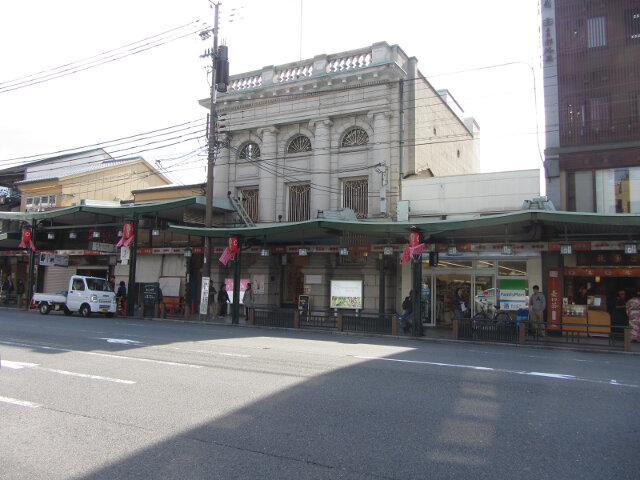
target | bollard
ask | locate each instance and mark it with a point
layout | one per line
(522, 333)
(340, 321)
(394, 325)
(251, 318)
(456, 328)
(296, 319)
(627, 340)
(187, 311)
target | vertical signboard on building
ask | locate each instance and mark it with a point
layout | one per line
(554, 299)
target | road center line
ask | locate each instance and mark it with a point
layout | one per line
(558, 376)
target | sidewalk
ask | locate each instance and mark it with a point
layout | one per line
(433, 334)
(445, 334)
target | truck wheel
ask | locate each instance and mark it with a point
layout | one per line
(85, 310)
(44, 308)
(67, 312)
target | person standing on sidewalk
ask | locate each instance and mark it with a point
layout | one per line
(537, 304)
(247, 300)
(223, 299)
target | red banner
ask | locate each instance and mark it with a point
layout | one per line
(27, 239)
(554, 299)
(127, 235)
(414, 239)
(233, 244)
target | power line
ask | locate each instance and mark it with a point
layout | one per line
(100, 59)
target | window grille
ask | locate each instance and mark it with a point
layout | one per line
(249, 198)
(354, 137)
(355, 195)
(599, 112)
(596, 32)
(250, 151)
(299, 144)
(299, 202)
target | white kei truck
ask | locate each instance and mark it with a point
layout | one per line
(86, 295)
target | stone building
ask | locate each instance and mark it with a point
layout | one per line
(337, 131)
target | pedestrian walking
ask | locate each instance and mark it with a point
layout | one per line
(404, 320)
(537, 304)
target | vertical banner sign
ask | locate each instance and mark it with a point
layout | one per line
(414, 239)
(204, 296)
(554, 299)
(127, 235)
(233, 244)
(27, 239)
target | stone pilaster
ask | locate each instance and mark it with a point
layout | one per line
(268, 163)
(320, 176)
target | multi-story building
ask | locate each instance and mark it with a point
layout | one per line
(591, 57)
(337, 131)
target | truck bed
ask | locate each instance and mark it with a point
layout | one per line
(50, 298)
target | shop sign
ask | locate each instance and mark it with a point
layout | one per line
(51, 259)
(102, 247)
(125, 255)
(512, 299)
(204, 296)
(346, 294)
(554, 299)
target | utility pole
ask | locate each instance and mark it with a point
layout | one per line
(212, 145)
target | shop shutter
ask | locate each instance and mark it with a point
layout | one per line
(56, 279)
(148, 268)
(174, 266)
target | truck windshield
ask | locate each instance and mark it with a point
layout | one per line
(98, 284)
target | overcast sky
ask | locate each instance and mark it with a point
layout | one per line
(454, 41)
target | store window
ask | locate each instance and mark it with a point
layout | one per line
(618, 190)
(448, 262)
(512, 268)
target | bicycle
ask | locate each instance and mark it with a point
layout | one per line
(488, 313)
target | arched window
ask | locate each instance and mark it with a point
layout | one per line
(250, 151)
(299, 144)
(354, 137)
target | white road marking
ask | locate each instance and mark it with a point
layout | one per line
(122, 341)
(97, 354)
(20, 403)
(559, 376)
(86, 375)
(17, 365)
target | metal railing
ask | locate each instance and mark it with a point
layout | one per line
(274, 317)
(349, 321)
(608, 337)
(324, 319)
(382, 323)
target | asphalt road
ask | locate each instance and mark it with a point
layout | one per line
(102, 398)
